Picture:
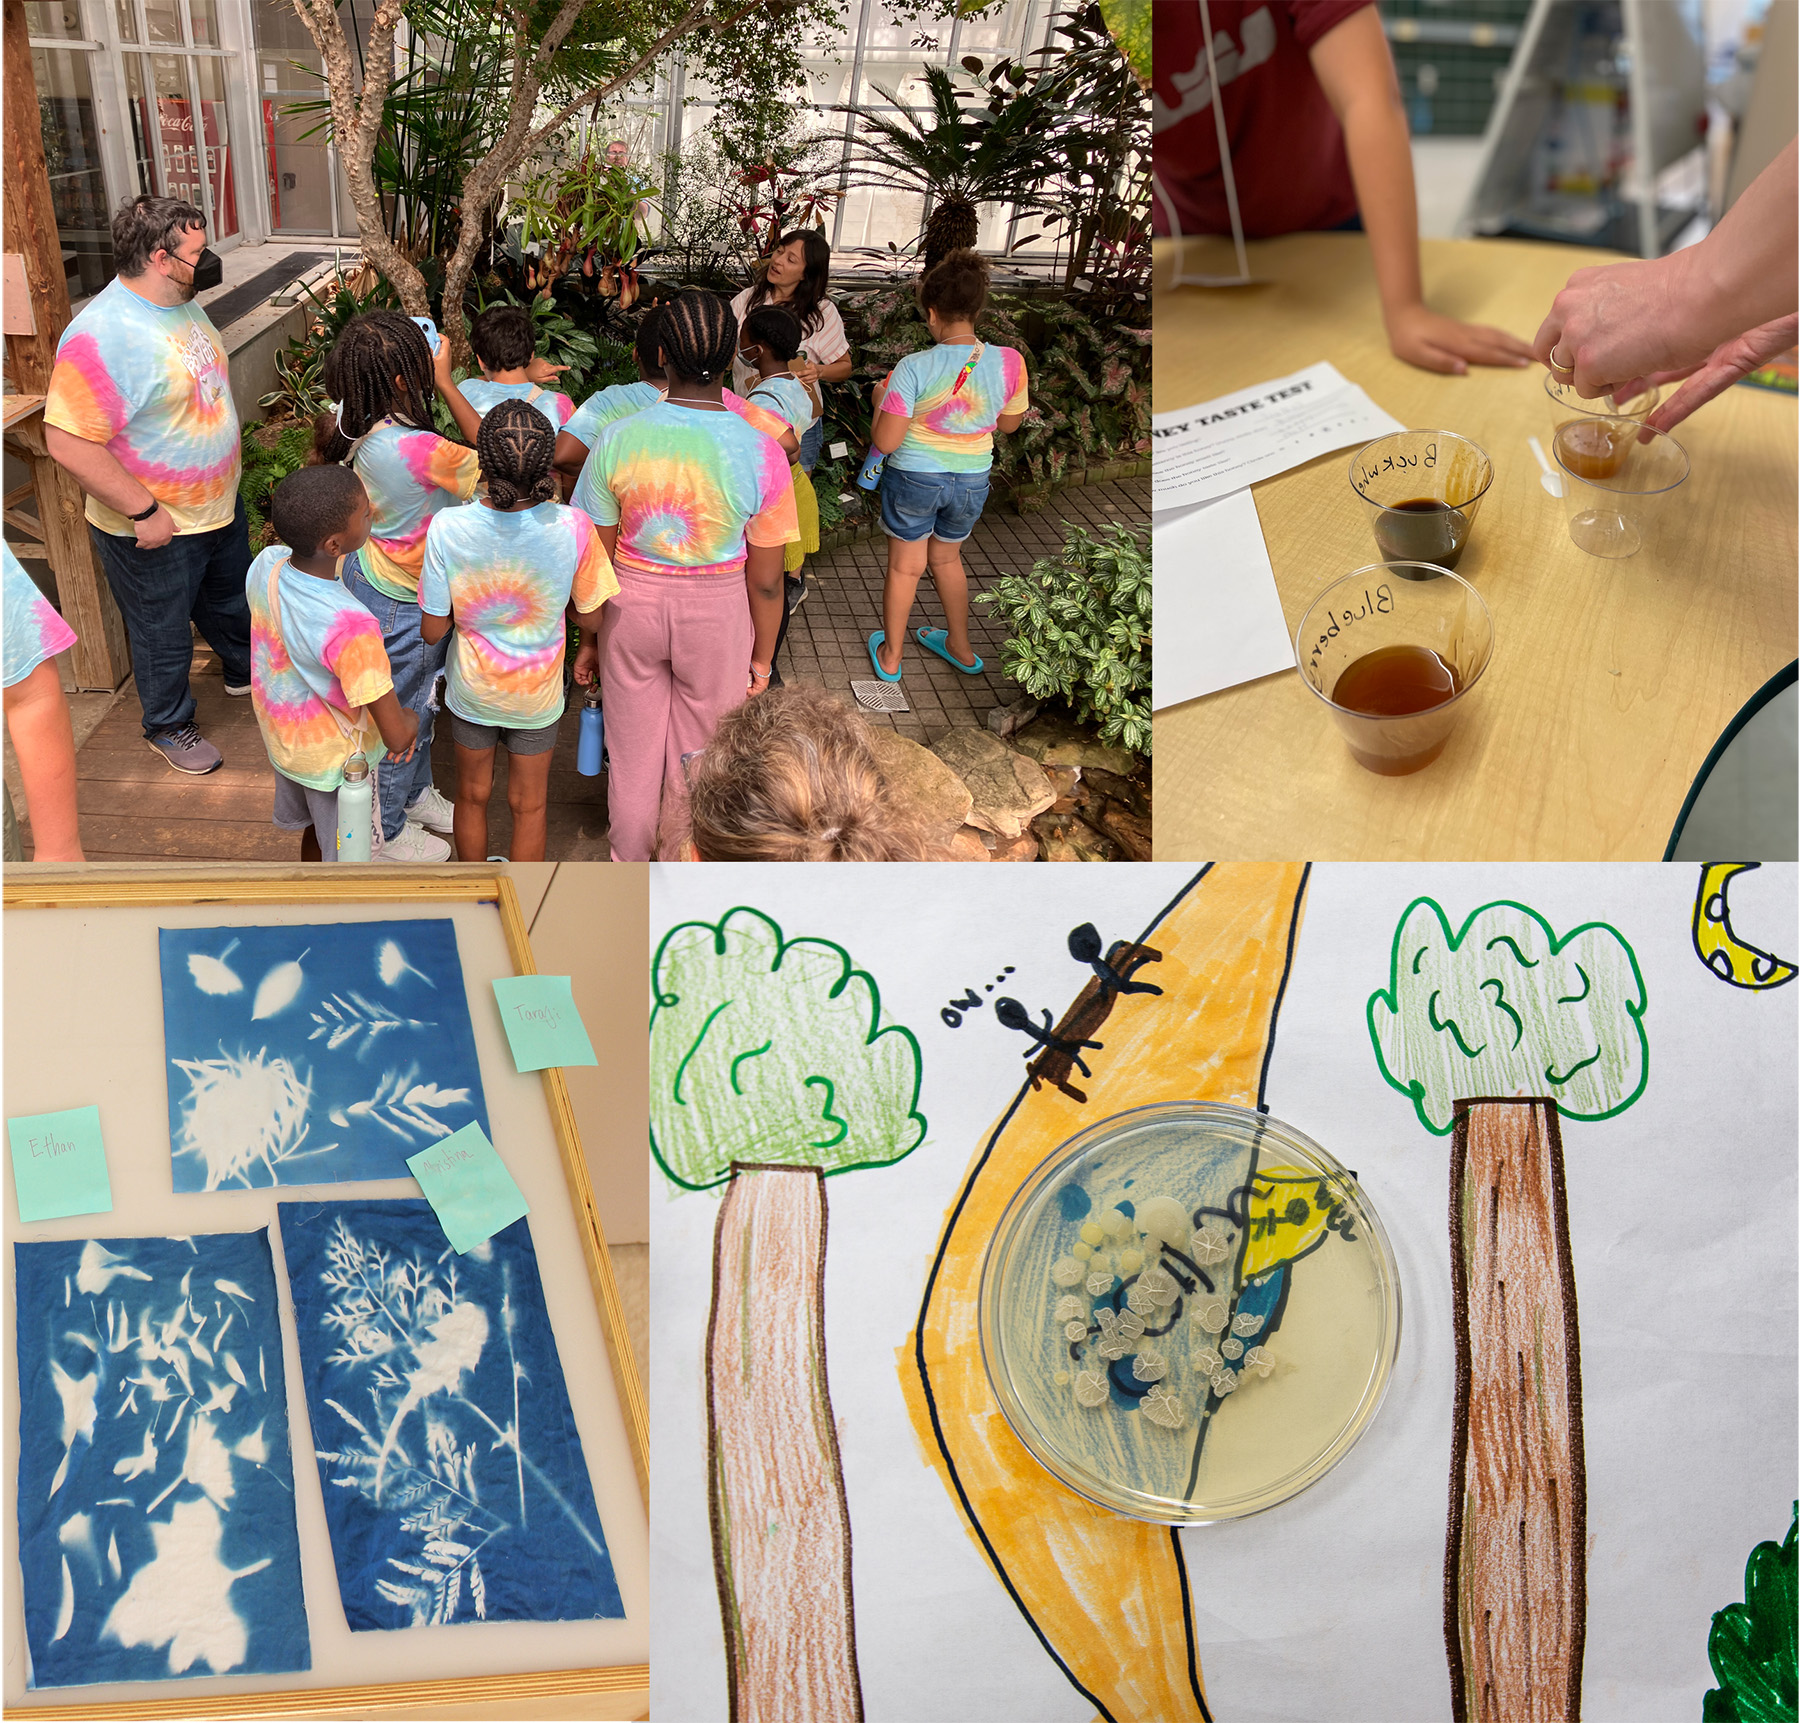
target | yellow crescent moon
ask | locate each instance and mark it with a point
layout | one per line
(1727, 956)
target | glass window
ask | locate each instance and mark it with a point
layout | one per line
(299, 166)
(203, 20)
(164, 20)
(125, 12)
(140, 107)
(216, 144)
(55, 20)
(174, 121)
(72, 155)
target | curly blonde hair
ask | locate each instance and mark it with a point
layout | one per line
(791, 776)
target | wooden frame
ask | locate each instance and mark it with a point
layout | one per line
(184, 887)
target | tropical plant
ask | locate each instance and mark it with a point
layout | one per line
(593, 360)
(299, 390)
(270, 452)
(957, 154)
(1080, 626)
(585, 214)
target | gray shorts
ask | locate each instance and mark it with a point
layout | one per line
(297, 807)
(482, 737)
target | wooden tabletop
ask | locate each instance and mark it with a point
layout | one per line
(18, 407)
(1611, 680)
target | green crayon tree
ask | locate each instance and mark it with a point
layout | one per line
(1496, 1031)
(771, 1070)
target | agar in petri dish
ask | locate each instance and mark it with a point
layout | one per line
(1189, 1313)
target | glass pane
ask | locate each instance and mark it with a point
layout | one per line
(59, 20)
(164, 20)
(216, 141)
(138, 106)
(204, 21)
(125, 12)
(299, 166)
(174, 120)
(72, 155)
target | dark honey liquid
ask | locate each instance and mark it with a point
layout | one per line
(1594, 448)
(1397, 682)
(1423, 529)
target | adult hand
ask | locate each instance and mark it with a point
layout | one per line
(1616, 324)
(804, 371)
(154, 533)
(540, 370)
(587, 661)
(1434, 342)
(1725, 365)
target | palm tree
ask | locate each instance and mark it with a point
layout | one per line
(957, 156)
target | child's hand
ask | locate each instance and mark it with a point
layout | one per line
(587, 661)
(440, 364)
(542, 371)
(399, 727)
(1436, 343)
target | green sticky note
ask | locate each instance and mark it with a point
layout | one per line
(59, 1164)
(542, 1023)
(469, 1186)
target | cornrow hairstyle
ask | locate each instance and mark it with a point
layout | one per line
(359, 372)
(792, 776)
(311, 504)
(649, 341)
(504, 337)
(777, 328)
(956, 287)
(808, 301)
(516, 448)
(698, 336)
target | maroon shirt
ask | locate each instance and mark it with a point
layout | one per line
(1287, 149)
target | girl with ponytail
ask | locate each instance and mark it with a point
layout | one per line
(504, 571)
(695, 507)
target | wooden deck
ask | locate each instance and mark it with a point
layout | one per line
(135, 807)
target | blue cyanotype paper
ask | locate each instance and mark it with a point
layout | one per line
(156, 1491)
(314, 1054)
(455, 1487)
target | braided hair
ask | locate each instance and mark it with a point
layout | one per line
(516, 447)
(698, 335)
(359, 372)
(648, 344)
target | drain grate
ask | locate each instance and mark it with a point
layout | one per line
(875, 696)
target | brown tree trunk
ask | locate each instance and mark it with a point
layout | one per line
(1515, 1561)
(780, 1524)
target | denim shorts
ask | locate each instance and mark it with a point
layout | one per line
(944, 506)
(481, 737)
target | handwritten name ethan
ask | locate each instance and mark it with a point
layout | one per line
(47, 1148)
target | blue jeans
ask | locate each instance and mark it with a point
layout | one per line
(196, 580)
(944, 506)
(414, 667)
(811, 444)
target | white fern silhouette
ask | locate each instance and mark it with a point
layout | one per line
(343, 1020)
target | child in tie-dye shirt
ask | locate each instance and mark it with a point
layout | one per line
(37, 719)
(935, 420)
(383, 372)
(503, 338)
(504, 569)
(319, 677)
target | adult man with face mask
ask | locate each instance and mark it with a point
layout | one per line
(140, 411)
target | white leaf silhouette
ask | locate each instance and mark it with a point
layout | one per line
(65, 1613)
(182, 1599)
(214, 974)
(233, 1369)
(391, 963)
(457, 1338)
(279, 988)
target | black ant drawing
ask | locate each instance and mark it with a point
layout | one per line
(1012, 1015)
(1085, 947)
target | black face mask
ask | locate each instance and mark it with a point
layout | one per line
(209, 271)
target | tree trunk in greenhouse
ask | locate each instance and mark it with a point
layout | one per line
(1515, 1562)
(780, 1523)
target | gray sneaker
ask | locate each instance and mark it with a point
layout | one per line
(187, 750)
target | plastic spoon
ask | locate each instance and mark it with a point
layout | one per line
(1551, 479)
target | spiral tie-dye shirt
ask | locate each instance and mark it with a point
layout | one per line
(409, 476)
(954, 407)
(484, 395)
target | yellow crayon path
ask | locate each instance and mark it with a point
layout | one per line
(1107, 1597)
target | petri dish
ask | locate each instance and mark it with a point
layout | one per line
(1189, 1313)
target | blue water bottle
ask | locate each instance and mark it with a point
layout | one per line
(355, 812)
(593, 733)
(870, 476)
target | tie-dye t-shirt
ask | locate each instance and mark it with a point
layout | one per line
(952, 429)
(787, 398)
(687, 489)
(483, 395)
(409, 476)
(151, 383)
(619, 401)
(505, 579)
(33, 629)
(315, 656)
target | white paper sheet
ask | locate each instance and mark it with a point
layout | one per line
(1205, 452)
(1218, 615)
(1682, 1230)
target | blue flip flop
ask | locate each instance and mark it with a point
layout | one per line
(937, 640)
(876, 641)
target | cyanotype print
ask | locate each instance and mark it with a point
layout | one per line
(455, 1486)
(314, 1054)
(156, 1491)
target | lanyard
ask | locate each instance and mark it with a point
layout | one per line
(1242, 278)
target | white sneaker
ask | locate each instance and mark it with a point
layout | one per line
(414, 844)
(432, 812)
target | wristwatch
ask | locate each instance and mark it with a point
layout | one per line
(154, 506)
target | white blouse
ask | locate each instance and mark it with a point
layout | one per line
(826, 343)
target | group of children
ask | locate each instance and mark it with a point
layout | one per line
(404, 554)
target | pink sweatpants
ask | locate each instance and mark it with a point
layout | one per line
(674, 659)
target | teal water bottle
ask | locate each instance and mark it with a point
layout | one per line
(355, 810)
(593, 734)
